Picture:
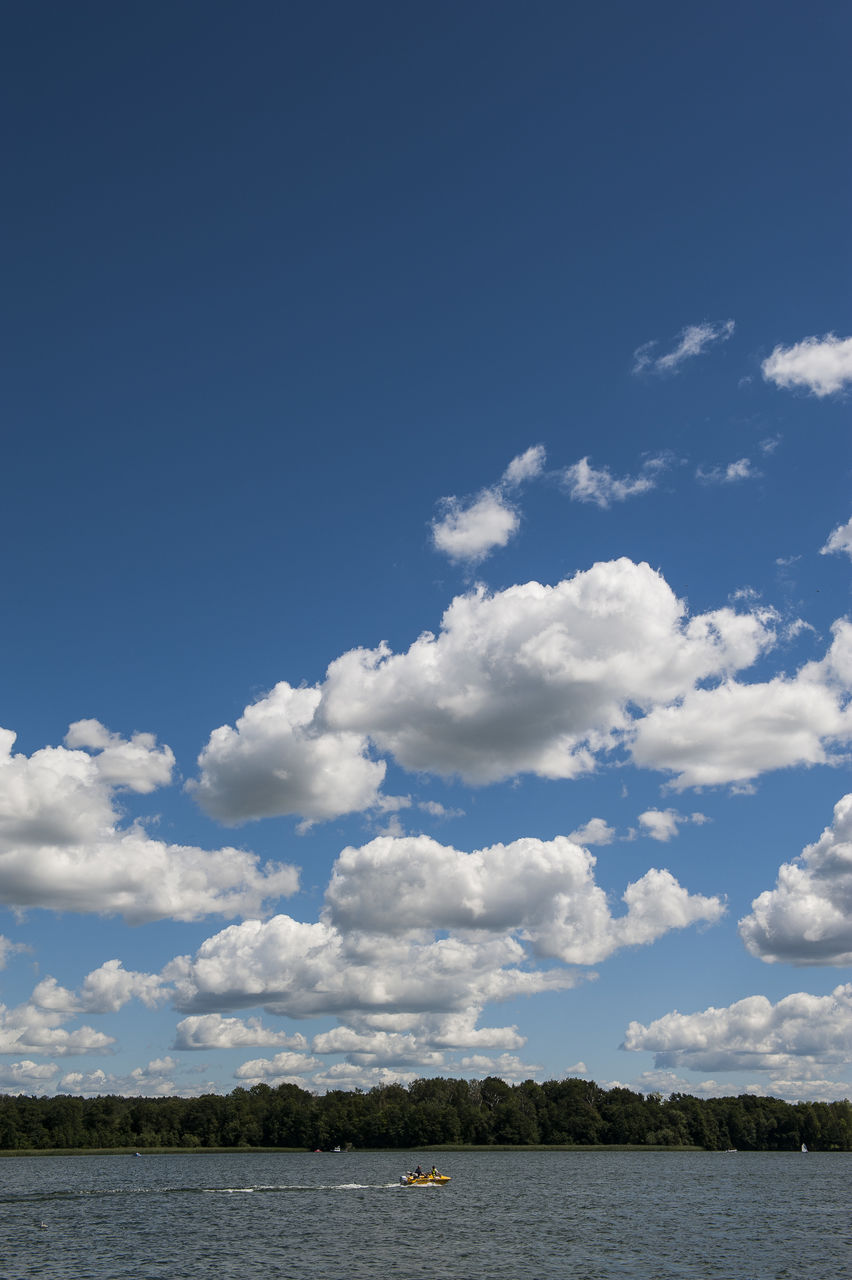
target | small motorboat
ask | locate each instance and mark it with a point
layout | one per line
(425, 1180)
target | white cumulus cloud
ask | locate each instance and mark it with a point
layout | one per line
(283, 1068)
(29, 1028)
(152, 1080)
(300, 970)
(822, 365)
(62, 845)
(28, 1076)
(664, 824)
(105, 990)
(536, 678)
(212, 1031)
(279, 760)
(595, 831)
(469, 529)
(802, 1035)
(733, 732)
(543, 891)
(807, 917)
(469, 532)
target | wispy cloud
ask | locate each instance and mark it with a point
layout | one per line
(733, 473)
(526, 466)
(586, 483)
(822, 365)
(694, 340)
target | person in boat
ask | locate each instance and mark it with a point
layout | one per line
(418, 1172)
(434, 1173)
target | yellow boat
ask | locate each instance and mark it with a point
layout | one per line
(425, 1180)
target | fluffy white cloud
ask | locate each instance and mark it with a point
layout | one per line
(212, 1031)
(138, 764)
(808, 1090)
(284, 1067)
(663, 824)
(423, 1049)
(586, 483)
(734, 732)
(30, 1028)
(62, 845)
(28, 1076)
(154, 1079)
(459, 1031)
(822, 365)
(595, 831)
(416, 939)
(799, 1036)
(839, 540)
(694, 340)
(303, 970)
(668, 1082)
(807, 917)
(379, 1048)
(348, 1076)
(469, 529)
(278, 760)
(105, 990)
(468, 532)
(542, 890)
(507, 1066)
(536, 678)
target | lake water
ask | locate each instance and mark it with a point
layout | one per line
(593, 1215)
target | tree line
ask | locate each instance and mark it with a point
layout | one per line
(425, 1113)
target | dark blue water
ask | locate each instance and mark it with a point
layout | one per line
(505, 1215)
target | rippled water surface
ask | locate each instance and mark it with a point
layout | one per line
(505, 1215)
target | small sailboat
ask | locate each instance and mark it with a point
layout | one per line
(804, 1149)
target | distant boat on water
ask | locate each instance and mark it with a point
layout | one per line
(804, 1149)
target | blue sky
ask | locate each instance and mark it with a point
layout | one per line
(426, 485)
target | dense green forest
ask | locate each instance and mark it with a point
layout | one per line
(423, 1114)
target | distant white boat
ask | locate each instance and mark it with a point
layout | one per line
(804, 1149)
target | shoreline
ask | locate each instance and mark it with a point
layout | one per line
(13, 1153)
